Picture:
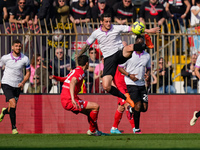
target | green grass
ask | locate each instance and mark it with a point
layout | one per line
(113, 142)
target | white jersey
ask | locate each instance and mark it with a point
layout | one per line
(109, 42)
(13, 74)
(137, 64)
(198, 62)
(195, 20)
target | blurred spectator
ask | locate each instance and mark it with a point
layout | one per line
(178, 10)
(152, 82)
(46, 12)
(44, 74)
(165, 77)
(34, 87)
(21, 13)
(111, 3)
(98, 72)
(100, 9)
(61, 65)
(80, 12)
(152, 10)
(11, 4)
(93, 62)
(195, 14)
(62, 11)
(35, 63)
(3, 11)
(190, 79)
(124, 12)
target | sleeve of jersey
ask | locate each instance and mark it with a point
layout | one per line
(2, 62)
(149, 63)
(61, 79)
(27, 64)
(198, 62)
(91, 39)
(123, 28)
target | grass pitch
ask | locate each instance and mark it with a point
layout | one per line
(112, 142)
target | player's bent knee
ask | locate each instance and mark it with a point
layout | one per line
(121, 108)
(12, 103)
(106, 88)
(96, 107)
(137, 106)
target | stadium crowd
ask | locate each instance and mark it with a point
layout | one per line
(35, 13)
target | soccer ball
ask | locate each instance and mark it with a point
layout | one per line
(138, 27)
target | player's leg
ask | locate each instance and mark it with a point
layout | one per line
(194, 118)
(107, 81)
(4, 111)
(117, 119)
(130, 115)
(107, 85)
(91, 111)
(135, 95)
(128, 50)
(137, 117)
(12, 110)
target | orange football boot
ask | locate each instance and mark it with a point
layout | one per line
(129, 100)
(149, 44)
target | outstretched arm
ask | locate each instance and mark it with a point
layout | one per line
(57, 78)
(84, 49)
(152, 30)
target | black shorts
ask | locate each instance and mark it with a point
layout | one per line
(138, 93)
(10, 92)
(111, 63)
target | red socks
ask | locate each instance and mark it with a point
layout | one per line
(118, 117)
(92, 119)
(130, 119)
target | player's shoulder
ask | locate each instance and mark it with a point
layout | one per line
(23, 56)
(6, 56)
(146, 53)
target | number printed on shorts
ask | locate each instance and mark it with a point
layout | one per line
(145, 97)
(81, 103)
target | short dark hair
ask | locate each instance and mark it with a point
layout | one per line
(105, 15)
(82, 60)
(197, 1)
(91, 49)
(18, 1)
(16, 41)
(138, 37)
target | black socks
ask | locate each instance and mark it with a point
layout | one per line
(13, 117)
(5, 111)
(114, 91)
(137, 119)
(198, 114)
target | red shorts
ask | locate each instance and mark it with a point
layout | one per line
(67, 104)
(120, 100)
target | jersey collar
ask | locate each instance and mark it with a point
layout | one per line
(106, 31)
(13, 58)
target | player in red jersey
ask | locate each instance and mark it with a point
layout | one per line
(69, 95)
(122, 105)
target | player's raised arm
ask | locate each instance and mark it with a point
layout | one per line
(84, 49)
(152, 30)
